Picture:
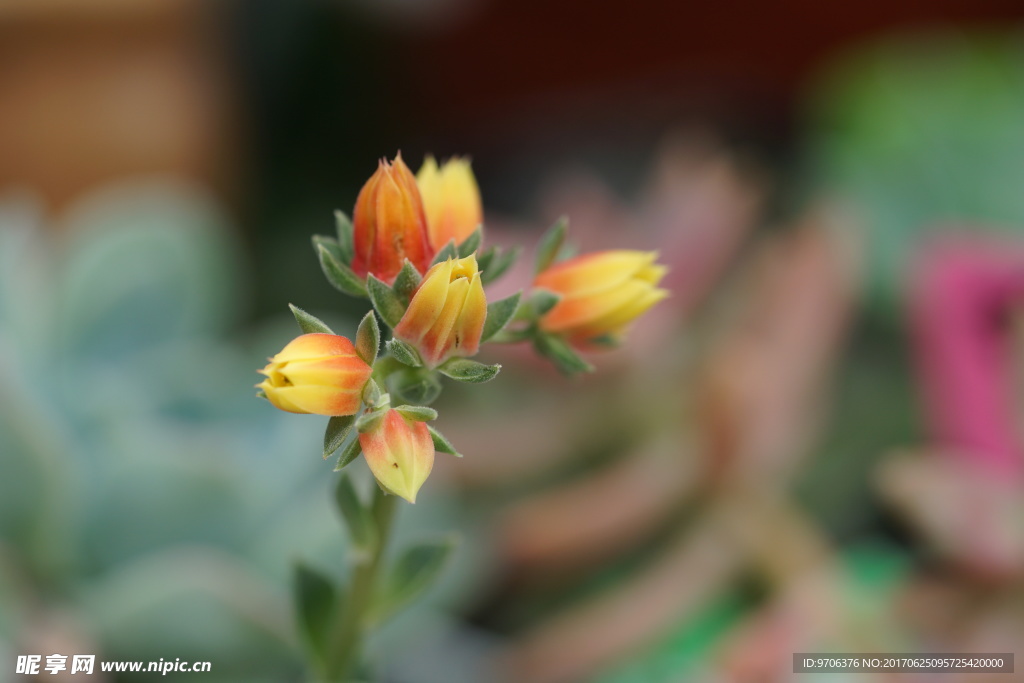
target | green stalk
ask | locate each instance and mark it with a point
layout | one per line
(352, 624)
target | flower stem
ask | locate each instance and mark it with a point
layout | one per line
(353, 620)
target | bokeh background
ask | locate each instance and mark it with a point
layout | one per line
(814, 446)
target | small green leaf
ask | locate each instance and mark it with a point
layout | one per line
(499, 313)
(339, 275)
(418, 413)
(368, 338)
(367, 422)
(561, 354)
(416, 570)
(442, 444)
(262, 394)
(485, 257)
(384, 299)
(472, 243)
(404, 353)
(542, 301)
(348, 454)
(357, 516)
(345, 241)
(447, 251)
(501, 262)
(417, 386)
(316, 602)
(465, 370)
(309, 323)
(338, 428)
(406, 282)
(330, 244)
(551, 243)
(371, 393)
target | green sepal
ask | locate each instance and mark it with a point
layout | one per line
(371, 394)
(499, 313)
(541, 301)
(262, 394)
(348, 454)
(309, 323)
(338, 429)
(498, 263)
(368, 338)
(406, 282)
(404, 353)
(356, 514)
(472, 243)
(339, 275)
(415, 571)
(606, 341)
(417, 386)
(465, 370)
(345, 236)
(418, 413)
(387, 303)
(316, 603)
(551, 243)
(367, 422)
(441, 444)
(561, 354)
(446, 252)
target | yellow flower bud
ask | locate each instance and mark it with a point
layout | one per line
(400, 454)
(389, 224)
(446, 315)
(451, 199)
(316, 373)
(601, 293)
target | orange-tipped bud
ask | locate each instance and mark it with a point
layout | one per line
(451, 199)
(400, 453)
(446, 315)
(389, 223)
(316, 373)
(601, 293)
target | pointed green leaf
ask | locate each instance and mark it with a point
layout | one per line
(367, 422)
(472, 243)
(309, 323)
(316, 602)
(447, 251)
(371, 393)
(357, 515)
(345, 240)
(349, 453)
(542, 301)
(262, 394)
(441, 444)
(330, 244)
(501, 262)
(485, 257)
(418, 413)
(404, 353)
(387, 303)
(417, 386)
(561, 354)
(551, 243)
(368, 338)
(406, 282)
(338, 428)
(416, 570)
(499, 313)
(465, 370)
(340, 275)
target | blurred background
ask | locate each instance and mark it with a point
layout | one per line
(815, 445)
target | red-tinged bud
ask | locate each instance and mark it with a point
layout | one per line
(316, 373)
(400, 453)
(389, 224)
(446, 315)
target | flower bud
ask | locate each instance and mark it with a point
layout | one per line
(400, 454)
(451, 199)
(316, 373)
(601, 293)
(446, 315)
(389, 224)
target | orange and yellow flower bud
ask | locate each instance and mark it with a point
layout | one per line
(389, 224)
(601, 293)
(316, 373)
(446, 315)
(451, 199)
(400, 454)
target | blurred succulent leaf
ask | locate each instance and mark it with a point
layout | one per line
(358, 517)
(442, 444)
(417, 386)
(472, 243)
(309, 323)
(415, 571)
(561, 354)
(368, 338)
(499, 313)
(384, 299)
(339, 275)
(338, 429)
(541, 301)
(345, 232)
(316, 604)
(551, 243)
(446, 252)
(470, 371)
(499, 264)
(404, 353)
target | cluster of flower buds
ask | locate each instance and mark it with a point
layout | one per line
(414, 249)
